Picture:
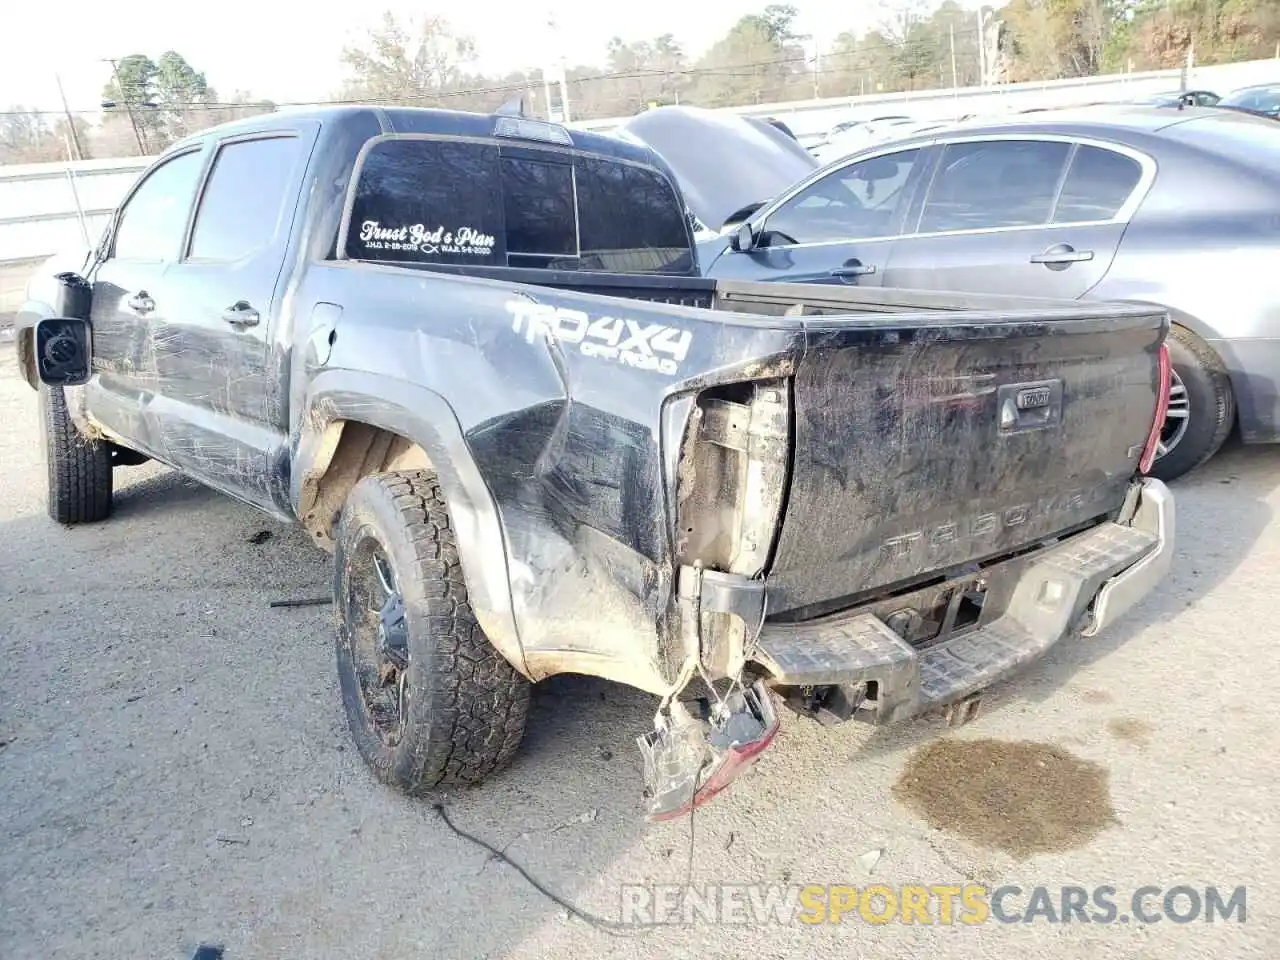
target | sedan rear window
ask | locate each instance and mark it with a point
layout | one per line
(431, 201)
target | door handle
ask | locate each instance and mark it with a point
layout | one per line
(1062, 253)
(141, 302)
(240, 314)
(853, 268)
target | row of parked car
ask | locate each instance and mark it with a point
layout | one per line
(1178, 208)
(855, 133)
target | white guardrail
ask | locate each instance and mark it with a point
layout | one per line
(49, 207)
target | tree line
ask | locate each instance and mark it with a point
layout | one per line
(917, 44)
(146, 105)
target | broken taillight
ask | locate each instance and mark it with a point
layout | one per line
(1162, 410)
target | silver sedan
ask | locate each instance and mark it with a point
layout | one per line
(1179, 208)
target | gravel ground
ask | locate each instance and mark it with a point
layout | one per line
(176, 770)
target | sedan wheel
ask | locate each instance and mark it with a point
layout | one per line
(1177, 418)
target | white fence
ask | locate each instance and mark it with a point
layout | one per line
(48, 207)
(45, 208)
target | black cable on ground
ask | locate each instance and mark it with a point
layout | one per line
(612, 927)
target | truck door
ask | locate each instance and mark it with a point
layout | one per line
(1028, 217)
(145, 240)
(224, 415)
(838, 229)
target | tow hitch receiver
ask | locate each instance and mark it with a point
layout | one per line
(688, 761)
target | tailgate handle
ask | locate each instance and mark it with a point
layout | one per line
(853, 268)
(1062, 253)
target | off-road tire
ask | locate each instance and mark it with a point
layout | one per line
(79, 484)
(1213, 405)
(467, 705)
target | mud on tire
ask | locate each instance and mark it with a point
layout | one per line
(79, 485)
(1212, 405)
(454, 713)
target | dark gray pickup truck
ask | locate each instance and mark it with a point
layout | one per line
(473, 357)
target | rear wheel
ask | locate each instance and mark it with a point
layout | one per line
(79, 484)
(1202, 407)
(429, 700)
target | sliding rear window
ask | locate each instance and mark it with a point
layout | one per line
(428, 201)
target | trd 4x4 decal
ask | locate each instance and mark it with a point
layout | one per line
(646, 346)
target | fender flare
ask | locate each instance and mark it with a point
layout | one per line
(424, 417)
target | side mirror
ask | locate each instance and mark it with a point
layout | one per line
(743, 238)
(63, 351)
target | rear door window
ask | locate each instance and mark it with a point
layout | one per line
(994, 184)
(1097, 185)
(480, 204)
(244, 199)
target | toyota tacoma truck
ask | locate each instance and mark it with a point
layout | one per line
(472, 356)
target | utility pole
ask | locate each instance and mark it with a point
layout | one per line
(817, 66)
(128, 105)
(982, 53)
(71, 124)
(955, 83)
(561, 64)
(546, 85)
(564, 91)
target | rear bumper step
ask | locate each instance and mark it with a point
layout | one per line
(1080, 585)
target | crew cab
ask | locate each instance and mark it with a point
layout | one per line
(473, 357)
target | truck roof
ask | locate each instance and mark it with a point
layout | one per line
(398, 119)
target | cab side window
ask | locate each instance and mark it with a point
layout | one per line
(154, 220)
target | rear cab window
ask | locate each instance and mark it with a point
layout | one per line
(453, 202)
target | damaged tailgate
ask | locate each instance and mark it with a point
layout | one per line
(930, 443)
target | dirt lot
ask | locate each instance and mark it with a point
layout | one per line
(175, 767)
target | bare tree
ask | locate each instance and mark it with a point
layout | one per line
(409, 64)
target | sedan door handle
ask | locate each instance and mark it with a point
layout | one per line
(1062, 253)
(240, 314)
(853, 268)
(141, 302)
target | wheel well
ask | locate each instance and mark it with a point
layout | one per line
(349, 452)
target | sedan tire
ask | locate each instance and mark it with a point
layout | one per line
(1202, 407)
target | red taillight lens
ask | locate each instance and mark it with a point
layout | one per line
(1162, 409)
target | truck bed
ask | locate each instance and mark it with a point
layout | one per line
(930, 433)
(767, 299)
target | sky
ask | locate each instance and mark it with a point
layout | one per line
(287, 50)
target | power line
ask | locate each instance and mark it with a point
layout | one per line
(748, 70)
